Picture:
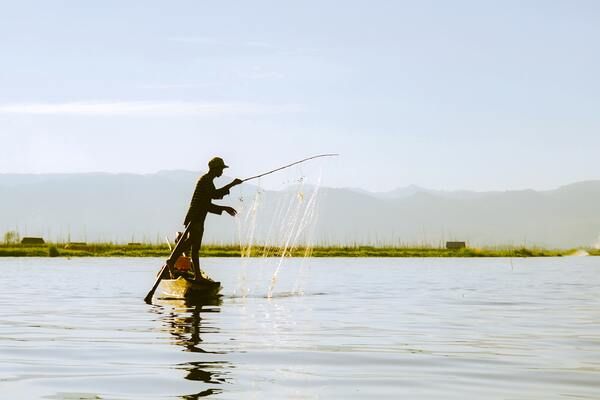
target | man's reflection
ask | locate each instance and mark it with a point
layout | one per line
(184, 322)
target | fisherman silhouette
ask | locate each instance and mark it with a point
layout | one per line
(200, 205)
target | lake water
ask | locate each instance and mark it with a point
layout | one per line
(334, 328)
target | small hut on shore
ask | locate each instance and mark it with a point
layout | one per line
(33, 240)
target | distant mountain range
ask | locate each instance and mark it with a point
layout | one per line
(130, 207)
(411, 190)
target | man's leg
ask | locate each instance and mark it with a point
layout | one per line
(196, 239)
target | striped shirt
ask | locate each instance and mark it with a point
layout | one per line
(201, 200)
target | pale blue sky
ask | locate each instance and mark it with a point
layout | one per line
(445, 94)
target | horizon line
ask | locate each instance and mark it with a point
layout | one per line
(352, 188)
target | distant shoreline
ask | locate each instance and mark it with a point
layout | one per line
(153, 250)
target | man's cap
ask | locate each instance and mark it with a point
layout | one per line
(217, 162)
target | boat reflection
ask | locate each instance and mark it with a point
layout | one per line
(184, 320)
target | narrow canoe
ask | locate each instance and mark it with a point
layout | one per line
(182, 288)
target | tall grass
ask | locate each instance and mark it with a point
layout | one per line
(222, 250)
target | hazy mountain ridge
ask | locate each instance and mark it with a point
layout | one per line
(130, 207)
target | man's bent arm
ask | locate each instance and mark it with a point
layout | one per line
(224, 191)
(220, 193)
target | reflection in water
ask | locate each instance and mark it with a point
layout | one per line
(205, 393)
(182, 319)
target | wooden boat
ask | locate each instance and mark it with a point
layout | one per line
(174, 280)
(185, 289)
(181, 286)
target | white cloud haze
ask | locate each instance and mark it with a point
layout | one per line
(145, 108)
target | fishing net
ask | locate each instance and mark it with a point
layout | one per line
(277, 226)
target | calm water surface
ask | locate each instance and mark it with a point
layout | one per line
(334, 328)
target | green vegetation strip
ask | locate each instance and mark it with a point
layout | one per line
(149, 250)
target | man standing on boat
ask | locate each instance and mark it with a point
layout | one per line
(201, 205)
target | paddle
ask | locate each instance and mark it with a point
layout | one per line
(148, 298)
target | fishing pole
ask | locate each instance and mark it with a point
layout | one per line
(292, 164)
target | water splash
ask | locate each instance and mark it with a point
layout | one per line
(250, 224)
(246, 227)
(301, 220)
(292, 226)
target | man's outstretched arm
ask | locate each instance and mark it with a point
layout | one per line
(224, 191)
